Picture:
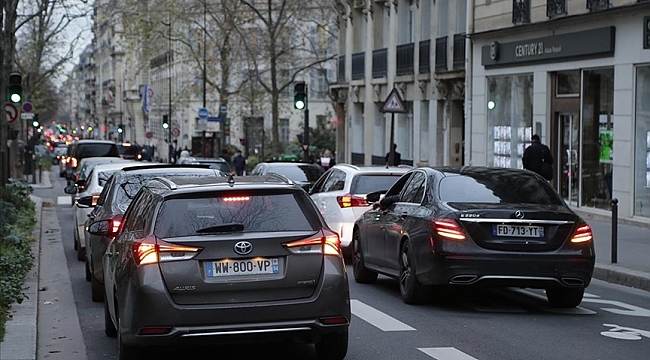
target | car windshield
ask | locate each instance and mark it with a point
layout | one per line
(509, 189)
(128, 189)
(96, 150)
(231, 213)
(298, 172)
(132, 150)
(365, 184)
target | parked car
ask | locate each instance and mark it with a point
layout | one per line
(305, 174)
(130, 151)
(340, 193)
(93, 175)
(113, 202)
(475, 226)
(224, 260)
(88, 148)
(214, 163)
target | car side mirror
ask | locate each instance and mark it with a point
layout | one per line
(100, 228)
(70, 189)
(375, 196)
(80, 182)
(85, 201)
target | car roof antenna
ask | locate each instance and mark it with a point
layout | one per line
(231, 179)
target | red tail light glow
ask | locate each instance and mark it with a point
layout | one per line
(448, 229)
(327, 243)
(115, 225)
(349, 200)
(237, 199)
(582, 234)
(152, 251)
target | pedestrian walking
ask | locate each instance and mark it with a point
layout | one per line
(239, 162)
(397, 157)
(538, 158)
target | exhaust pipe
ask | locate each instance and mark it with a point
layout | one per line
(463, 279)
(573, 281)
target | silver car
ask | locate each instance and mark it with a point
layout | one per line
(219, 260)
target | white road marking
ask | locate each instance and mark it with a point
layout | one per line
(64, 200)
(570, 311)
(377, 318)
(630, 310)
(589, 295)
(446, 353)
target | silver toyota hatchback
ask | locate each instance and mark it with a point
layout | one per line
(223, 260)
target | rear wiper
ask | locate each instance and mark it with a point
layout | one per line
(223, 228)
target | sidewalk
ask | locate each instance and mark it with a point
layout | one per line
(46, 325)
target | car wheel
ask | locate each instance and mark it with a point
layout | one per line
(109, 327)
(76, 245)
(564, 297)
(333, 346)
(97, 289)
(361, 274)
(81, 253)
(410, 288)
(88, 274)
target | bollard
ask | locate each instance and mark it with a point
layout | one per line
(40, 171)
(614, 229)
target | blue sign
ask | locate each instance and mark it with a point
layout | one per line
(214, 119)
(203, 113)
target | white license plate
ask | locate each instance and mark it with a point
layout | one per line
(518, 230)
(236, 267)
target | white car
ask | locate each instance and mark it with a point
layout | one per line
(340, 193)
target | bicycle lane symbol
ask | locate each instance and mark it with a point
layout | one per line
(624, 333)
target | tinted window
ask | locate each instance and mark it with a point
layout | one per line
(335, 182)
(257, 213)
(511, 189)
(298, 172)
(127, 190)
(365, 184)
(129, 150)
(414, 189)
(96, 150)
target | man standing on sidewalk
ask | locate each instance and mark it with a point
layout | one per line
(538, 158)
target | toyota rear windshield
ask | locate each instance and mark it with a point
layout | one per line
(365, 184)
(242, 213)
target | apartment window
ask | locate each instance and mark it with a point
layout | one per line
(443, 18)
(520, 12)
(596, 5)
(461, 16)
(556, 8)
(284, 130)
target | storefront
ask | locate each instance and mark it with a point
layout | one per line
(570, 86)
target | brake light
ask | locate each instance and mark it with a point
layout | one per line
(73, 162)
(349, 200)
(115, 225)
(152, 250)
(582, 234)
(448, 229)
(327, 243)
(237, 199)
(95, 199)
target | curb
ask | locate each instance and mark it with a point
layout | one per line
(45, 181)
(619, 275)
(21, 330)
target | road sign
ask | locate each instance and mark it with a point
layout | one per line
(394, 103)
(175, 132)
(27, 107)
(203, 113)
(223, 109)
(27, 116)
(12, 112)
(149, 135)
(214, 119)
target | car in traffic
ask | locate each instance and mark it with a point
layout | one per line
(304, 174)
(474, 226)
(88, 148)
(59, 152)
(130, 151)
(340, 193)
(113, 201)
(214, 163)
(224, 260)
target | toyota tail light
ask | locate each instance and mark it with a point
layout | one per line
(448, 229)
(152, 250)
(326, 242)
(582, 234)
(349, 200)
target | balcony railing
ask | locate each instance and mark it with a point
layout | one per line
(341, 70)
(556, 8)
(425, 63)
(441, 54)
(405, 57)
(520, 12)
(459, 52)
(595, 5)
(379, 63)
(358, 61)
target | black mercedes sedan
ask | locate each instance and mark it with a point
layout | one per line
(474, 226)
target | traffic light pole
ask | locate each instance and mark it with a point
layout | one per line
(305, 137)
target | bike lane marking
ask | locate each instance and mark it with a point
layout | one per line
(377, 318)
(446, 353)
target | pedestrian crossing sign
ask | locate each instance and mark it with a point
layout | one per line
(394, 103)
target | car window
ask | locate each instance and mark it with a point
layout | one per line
(132, 216)
(257, 170)
(396, 189)
(104, 194)
(103, 176)
(298, 172)
(128, 189)
(510, 189)
(216, 165)
(414, 189)
(256, 212)
(335, 182)
(96, 150)
(318, 186)
(365, 184)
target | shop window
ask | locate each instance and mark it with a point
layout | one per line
(510, 119)
(567, 84)
(642, 144)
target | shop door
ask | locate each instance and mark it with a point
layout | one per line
(567, 163)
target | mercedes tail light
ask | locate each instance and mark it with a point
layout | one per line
(115, 225)
(326, 242)
(152, 250)
(582, 234)
(448, 229)
(349, 200)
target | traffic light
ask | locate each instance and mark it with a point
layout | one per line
(165, 122)
(300, 95)
(15, 88)
(35, 123)
(120, 128)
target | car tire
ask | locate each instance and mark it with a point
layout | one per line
(88, 273)
(564, 297)
(96, 289)
(81, 253)
(332, 346)
(76, 245)
(109, 327)
(361, 274)
(410, 288)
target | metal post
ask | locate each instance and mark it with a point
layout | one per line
(33, 164)
(169, 64)
(305, 137)
(205, 30)
(40, 171)
(391, 156)
(614, 230)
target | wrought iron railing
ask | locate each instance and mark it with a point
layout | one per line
(405, 57)
(425, 62)
(556, 8)
(357, 158)
(358, 62)
(459, 52)
(379, 63)
(520, 12)
(441, 54)
(595, 5)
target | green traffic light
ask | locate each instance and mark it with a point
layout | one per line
(15, 98)
(165, 125)
(35, 123)
(300, 104)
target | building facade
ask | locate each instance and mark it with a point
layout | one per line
(579, 76)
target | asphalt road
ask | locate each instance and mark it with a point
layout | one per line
(613, 322)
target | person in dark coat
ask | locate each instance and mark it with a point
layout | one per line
(397, 159)
(538, 158)
(239, 162)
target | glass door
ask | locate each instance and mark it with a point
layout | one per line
(568, 157)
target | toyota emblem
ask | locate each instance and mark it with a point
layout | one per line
(519, 214)
(243, 248)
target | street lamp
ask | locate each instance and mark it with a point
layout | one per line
(169, 70)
